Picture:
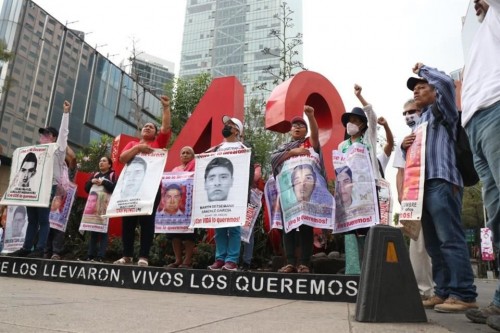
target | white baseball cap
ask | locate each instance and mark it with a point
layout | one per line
(235, 121)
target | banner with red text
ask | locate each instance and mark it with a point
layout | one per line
(174, 212)
(304, 195)
(253, 210)
(273, 203)
(93, 218)
(60, 208)
(355, 190)
(413, 184)
(385, 201)
(136, 189)
(31, 172)
(220, 194)
(487, 245)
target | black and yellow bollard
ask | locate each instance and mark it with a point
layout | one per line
(388, 291)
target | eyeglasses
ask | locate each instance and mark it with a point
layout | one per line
(412, 111)
(298, 125)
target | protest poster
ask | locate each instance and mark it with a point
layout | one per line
(355, 190)
(60, 207)
(174, 212)
(220, 196)
(385, 201)
(413, 184)
(31, 173)
(93, 217)
(253, 210)
(304, 195)
(486, 245)
(136, 189)
(15, 228)
(273, 203)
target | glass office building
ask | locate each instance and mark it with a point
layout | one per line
(226, 37)
(153, 72)
(51, 64)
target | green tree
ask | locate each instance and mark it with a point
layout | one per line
(472, 207)
(5, 56)
(185, 94)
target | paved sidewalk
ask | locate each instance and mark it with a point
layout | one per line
(38, 306)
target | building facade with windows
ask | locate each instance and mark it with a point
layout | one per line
(226, 37)
(153, 72)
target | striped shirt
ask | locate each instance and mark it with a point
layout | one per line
(440, 160)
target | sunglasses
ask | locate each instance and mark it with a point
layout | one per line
(412, 111)
(298, 125)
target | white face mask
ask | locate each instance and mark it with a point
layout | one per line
(352, 129)
(411, 119)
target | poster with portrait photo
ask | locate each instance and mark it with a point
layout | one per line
(273, 203)
(413, 184)
(304, 195)
(60, 208)
(31, 174)
(221, 189)
(487, 253)
(253, 211)
(174, 212)
(355, 190)
(15, 228)
(136, 188)
(385, 201)
(93, 218)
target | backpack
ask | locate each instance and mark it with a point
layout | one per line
(463, 153)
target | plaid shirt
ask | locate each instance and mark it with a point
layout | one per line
(440, 160)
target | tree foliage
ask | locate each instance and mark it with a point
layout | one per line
(88, 157)
(472, 207)
(185, 94)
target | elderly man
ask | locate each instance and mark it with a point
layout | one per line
(442, 204)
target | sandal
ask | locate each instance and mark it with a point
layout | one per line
(123, 261)
(186, 266)
(173, 265)
(142, 262)
(302, 269)
(288, 269)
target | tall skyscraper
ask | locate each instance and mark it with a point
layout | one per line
(226, 37)
(153, 72)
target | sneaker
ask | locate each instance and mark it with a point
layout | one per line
(217, 265)
(431, 302)
(480, 315)
(35, 254)
(245, 267)
(98, 259)
(230, 266)
(22, 252)
(493, 322)
(55, 257)
(452, 305)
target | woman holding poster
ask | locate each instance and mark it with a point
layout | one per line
(151, 138)
(172, 197)
(299, 146)
(105, 179)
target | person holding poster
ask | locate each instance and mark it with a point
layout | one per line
(301, 145)
(218, 182)
(420, 260)
(107, 179)
(173, 197)
(444, 237)
(151, 138)
(361, 126)
(38, 217)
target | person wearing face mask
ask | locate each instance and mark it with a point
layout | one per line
(361, 127)
(420, 260)
(228, 239)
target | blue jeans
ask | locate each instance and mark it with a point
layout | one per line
(94, 240)
(228, 244)
(38, 221)
(484, 137)
(445, 241)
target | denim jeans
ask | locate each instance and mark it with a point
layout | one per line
(302, 236)
(100, 238)
(484, 136)
(55, 242)
(445, 241)
(228, 244)
(38, 221)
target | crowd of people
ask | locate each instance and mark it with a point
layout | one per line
(439, 256)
